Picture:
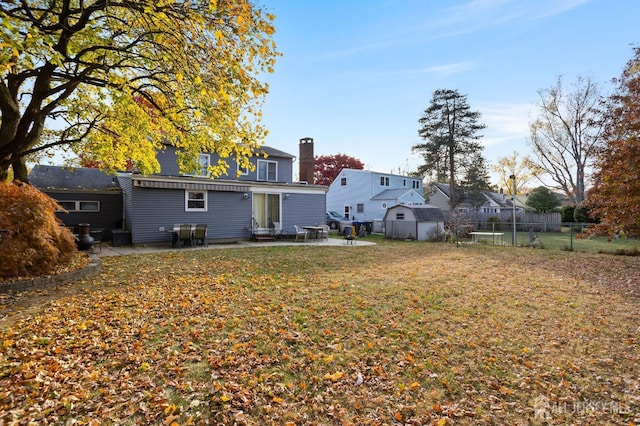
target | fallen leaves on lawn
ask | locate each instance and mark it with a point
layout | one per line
(392, 334)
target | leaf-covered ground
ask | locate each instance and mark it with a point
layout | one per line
(399, 333)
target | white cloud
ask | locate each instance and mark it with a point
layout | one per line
(509, 121)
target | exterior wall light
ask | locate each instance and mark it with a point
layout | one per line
(245, 195)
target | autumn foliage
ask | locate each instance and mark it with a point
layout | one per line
(36, 242)
(327, 167)
(393, 334)
(615, 196)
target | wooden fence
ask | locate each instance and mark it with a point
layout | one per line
(525, 221)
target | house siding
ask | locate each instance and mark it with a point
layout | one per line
(302, 210)
(169, 166)
(109, 217)
(362, 186)
(228, 215)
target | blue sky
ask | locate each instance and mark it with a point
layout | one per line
(357, 75)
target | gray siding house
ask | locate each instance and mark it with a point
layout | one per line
(234, 207)
(87, 195)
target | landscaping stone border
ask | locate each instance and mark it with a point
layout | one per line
(47, 281)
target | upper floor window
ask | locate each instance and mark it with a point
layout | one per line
(80, 206)
(267, 170)
(195, 201)
(242, 171)
(384, 180)
(404, 182)
(203, 159)
(416, 184)
(343, 181)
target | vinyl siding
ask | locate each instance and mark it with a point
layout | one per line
(228, 215)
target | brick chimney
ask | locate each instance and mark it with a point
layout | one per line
(306, 160)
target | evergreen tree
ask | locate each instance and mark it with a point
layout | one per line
(449, 129)
(543, 200)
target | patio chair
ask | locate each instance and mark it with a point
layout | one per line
(324, 234)
(276, 231)
(300, 233)
(185, 236)
(200, 235)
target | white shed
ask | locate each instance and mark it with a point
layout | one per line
(422, 223)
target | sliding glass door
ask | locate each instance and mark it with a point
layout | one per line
(266, 209)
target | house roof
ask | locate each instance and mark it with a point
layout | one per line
(72, 178)
(376, 173)
(424, 213)
(272, 152)
(394, 194)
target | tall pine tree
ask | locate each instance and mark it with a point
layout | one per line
(449, 129)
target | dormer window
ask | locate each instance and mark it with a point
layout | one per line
(384, 180)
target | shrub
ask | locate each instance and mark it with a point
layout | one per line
(567, 213)
(37, 243)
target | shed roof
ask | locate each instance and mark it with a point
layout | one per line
(71, 178)
(424, 213)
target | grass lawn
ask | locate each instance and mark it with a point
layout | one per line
(566, 241)
(398, 333)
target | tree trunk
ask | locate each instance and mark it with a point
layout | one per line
(20, 171)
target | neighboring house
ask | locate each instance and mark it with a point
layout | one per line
(363, 195)
(88, 195)
(492, 202)
(422, 223)
(233, 207)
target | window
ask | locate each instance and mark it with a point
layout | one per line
(242, 171)
(266, 209)
(404, 182)
(195, 201)
(384, 181)
(267, 170)
(347, 212)
(343, 181)
(399, 216)
(203, 159)
(359, 208)
(416, 184)
(80, 206)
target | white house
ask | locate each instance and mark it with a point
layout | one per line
(364, 196)
(492, 202)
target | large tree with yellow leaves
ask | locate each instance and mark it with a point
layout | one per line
(115, 80)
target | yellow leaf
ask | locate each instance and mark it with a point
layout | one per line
(225, 398)
(335, 376)
(328, 359)
(414, 385)
(278, 400)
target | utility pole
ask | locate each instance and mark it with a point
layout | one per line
(514, 238)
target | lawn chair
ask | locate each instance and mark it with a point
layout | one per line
(300, 233)
(200, 235)
(276, 231)
(324, 234)
(185, 236)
